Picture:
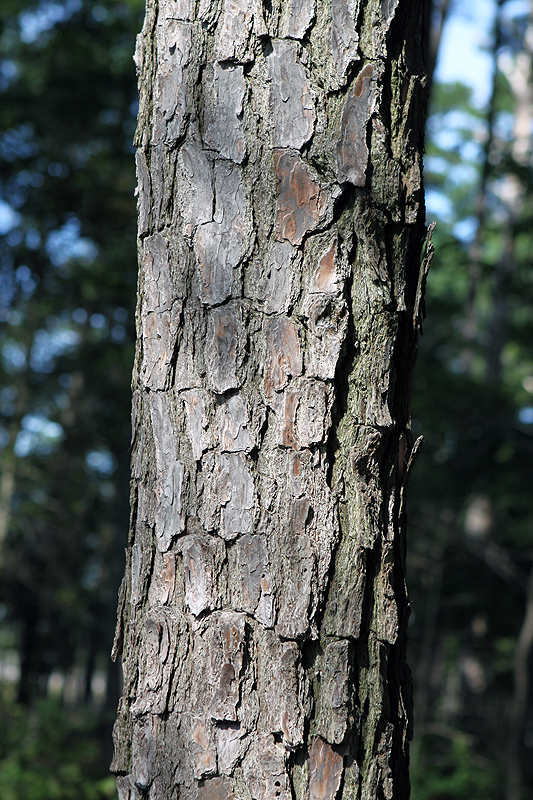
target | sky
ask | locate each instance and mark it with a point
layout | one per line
(466, 38)
(461, 56)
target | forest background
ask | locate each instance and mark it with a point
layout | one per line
(67, 294)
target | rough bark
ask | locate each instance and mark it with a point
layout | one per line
(281, 224)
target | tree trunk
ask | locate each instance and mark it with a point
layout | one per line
(281, 222)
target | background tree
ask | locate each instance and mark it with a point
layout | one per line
(67, 278)
(472, 525)
(281, 224)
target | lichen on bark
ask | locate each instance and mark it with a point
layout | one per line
(281, 223)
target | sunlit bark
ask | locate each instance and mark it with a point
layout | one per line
(281, 225)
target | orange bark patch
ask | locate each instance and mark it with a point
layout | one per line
(366, 72)
(203, 751)
(296, 466)
(299, 200)
(199, 735)
(283, 354)
(290, 405)
(325, 771)
(216, 789)
(325, 273)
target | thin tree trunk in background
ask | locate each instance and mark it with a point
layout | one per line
(517, 716)
(476, 252)
(27, 650)
(281, 222)
(518, 71)
(511, 194)
(7, 487)
(433, 568)
(437, 14)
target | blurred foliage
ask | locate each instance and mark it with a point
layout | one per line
(470, 511)
(67, 293)
(48, 753)
(451, 772)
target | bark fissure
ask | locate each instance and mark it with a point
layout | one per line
(280, 229)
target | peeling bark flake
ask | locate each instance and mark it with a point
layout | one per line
(303, 414)
(253, 589)
(325, 277)
(181, 9)
(328, 326)
(223, 128)
(125, 789)
(386, 612)
(283, 690)
(291, 102)
(136, 563)
(201, 557)
(189, 369)
(276, 284)
(223, 350)
(230, 746)
(219, 655)
(286, 422)
(235, 490)
(352, 149)
(171, 92)
(156, 664)
(163, 579)
(313, 413)
(144, 746)
(234, 425)
(143, 193)
(202, 747)
(298, 17)
(216, 789)
(296, 564)
(194, 195)
(197, 422)
(235, 28)
(345, 602)
(333, 692)
(160, 311)
(265, 771)
(343, 40)
(218, 245)
(283, 354)
(325, 771)
(169, 516)
(301, 204)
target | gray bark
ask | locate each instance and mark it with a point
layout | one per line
(281, 224)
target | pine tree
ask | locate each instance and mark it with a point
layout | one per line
(281, 227)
